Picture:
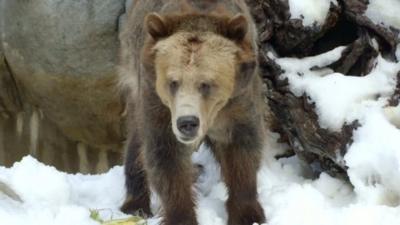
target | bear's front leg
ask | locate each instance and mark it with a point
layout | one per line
(170, 174)
(240, 160)
(138, 193)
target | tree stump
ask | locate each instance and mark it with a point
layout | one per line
(295, 117)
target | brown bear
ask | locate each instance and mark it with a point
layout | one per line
(192, 75)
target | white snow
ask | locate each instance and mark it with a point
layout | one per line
(374, 160)
(53, 197)
(384, 12)
(310, 11)
(339, 99)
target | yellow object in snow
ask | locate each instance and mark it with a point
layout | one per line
(135, 220)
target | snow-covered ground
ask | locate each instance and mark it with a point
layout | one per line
(51, 197)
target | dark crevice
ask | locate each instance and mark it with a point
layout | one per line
(17, 97)
(344, 33)
(122, 13)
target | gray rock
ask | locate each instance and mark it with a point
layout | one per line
(1, 24)
(128, 4)
(123, 17)
(62, 56)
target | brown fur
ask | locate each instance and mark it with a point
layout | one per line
(211, 42)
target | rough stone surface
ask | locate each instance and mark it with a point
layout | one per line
(10, 102)
(59, 72)
(68, 68)
(1, 27)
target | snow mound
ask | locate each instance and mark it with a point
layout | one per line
(374, 160)
(384, 12)
(312, 12)
(56, 198)
(51, 197)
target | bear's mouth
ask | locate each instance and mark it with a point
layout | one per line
(186, 140)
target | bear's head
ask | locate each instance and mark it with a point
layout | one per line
(200, 63)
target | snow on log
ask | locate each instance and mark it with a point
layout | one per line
(346, 70)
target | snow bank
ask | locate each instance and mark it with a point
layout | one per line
(373, 159)
(55, 198)
(312, 12)
(384, 12)
(52, 197)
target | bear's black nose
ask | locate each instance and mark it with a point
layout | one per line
(188, 125)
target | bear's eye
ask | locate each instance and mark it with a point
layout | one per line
(205, 88)
(173, 86)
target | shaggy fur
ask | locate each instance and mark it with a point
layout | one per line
(202, 53)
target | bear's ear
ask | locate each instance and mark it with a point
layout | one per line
(156, 26)
(237, 27)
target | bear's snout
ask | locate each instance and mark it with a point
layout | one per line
(188, 126)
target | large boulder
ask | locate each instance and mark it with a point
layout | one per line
(60, 57)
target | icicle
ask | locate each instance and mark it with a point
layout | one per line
(20, 124)
(2, 148)
(102, 164)
(83, 159)
(34, 132)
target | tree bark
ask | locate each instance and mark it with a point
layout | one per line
(295, 117)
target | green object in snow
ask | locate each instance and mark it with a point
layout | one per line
(133, 220)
